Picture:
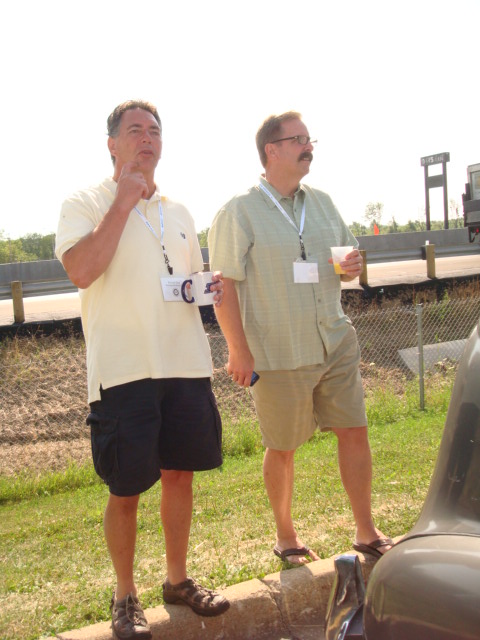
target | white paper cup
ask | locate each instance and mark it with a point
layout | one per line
(338, 255)
(199, 293)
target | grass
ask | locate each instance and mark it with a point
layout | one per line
(26, 485)
(56, 574)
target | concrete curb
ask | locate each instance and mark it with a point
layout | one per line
(277, 604)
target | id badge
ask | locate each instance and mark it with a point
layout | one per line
(172, 289)
(305, 272)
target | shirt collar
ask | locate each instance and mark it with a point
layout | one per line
(278, 196)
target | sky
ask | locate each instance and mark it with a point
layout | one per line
(380, 84)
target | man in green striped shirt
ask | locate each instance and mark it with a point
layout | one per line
(282, 315)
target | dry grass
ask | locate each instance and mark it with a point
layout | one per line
(44, 401)
(43, 408)
(43, 378)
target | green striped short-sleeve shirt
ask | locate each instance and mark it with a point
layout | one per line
(287, 325)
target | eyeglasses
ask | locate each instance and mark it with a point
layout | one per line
(303, 140)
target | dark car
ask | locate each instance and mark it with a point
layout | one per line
(428, 586)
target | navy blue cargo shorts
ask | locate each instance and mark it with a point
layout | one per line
(141, 427)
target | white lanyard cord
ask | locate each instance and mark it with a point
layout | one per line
(288, 218)
(162, 232)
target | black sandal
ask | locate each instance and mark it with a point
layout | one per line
(373, 547)
(296, 551)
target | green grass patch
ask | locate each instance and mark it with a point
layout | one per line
(241, 435)
(56, 573)
(28, 485)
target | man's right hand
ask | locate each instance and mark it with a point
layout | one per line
(240, 363)
(131, 186)
(240, 367)
(91, 256)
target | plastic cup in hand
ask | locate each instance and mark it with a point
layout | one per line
(338, 255)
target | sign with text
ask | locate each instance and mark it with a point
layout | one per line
(436, 181)
(437, 158)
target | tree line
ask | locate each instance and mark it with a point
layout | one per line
(373, 221)
(34, 246)
(359, 229)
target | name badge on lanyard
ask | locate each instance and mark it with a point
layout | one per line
(303, 271)
(162, 232)
(170, 286)
(172, 289)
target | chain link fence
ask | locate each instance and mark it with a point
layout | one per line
(43, 378)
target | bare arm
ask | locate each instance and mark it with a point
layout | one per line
(88, 259)
(240, 360)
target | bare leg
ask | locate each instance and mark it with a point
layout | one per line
(120, 527)
(278, 474)
(176, 513)
(355, 462)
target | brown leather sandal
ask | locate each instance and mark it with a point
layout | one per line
(203, 601)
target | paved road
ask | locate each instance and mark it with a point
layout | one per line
(57, 307)
(416, 270)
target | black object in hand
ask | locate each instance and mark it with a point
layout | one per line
(254, 379)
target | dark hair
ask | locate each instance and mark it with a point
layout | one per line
(271, 129)
(113, 120)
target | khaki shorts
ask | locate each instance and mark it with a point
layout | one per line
(291, 405)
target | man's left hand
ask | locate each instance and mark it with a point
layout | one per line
(217, 278)
(352, 265)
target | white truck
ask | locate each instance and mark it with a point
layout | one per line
(471, 202)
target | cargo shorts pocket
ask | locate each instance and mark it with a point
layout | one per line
(103, 430)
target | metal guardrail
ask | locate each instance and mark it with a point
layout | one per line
(48, 277)
(399, 255)
(41, 277)
(31, 289)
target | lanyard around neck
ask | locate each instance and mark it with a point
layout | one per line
(288, 218)
(162, 232)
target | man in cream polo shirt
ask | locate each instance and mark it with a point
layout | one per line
(152, 411)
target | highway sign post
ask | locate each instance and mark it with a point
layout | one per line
(436, 181)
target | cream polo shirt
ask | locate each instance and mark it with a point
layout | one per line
(131, 333)
(287, 325)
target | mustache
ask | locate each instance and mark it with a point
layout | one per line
(306, 155)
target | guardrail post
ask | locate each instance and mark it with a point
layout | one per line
(17, 298)
(363, 280)
(430, 256)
